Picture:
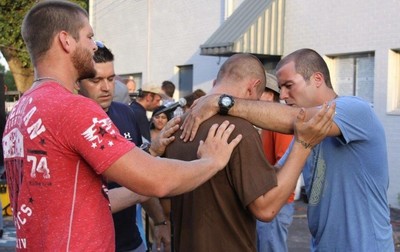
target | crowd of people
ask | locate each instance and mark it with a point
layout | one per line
(80, 167)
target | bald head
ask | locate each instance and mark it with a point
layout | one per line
(239, 68)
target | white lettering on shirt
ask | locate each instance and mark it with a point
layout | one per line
(40, 167)
(21, 215)
(97, 130)
(21, 243)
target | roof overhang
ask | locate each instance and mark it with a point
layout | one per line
(255, 27)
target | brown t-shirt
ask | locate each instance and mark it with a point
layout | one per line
(214, 217)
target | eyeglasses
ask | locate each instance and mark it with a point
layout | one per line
(99, 44)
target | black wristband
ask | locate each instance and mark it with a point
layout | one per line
(145, 147)
(161, 223)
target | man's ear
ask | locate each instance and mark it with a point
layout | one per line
(65, 41)
(254, 86)
(318, 78)
(149, 97)
(77, 86)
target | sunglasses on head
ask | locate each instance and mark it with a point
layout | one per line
(99, 44)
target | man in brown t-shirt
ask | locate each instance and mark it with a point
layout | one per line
(220, 214)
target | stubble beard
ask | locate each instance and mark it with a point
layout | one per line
(83, 63)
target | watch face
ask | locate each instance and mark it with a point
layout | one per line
(226, 101)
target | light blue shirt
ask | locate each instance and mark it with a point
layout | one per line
(346, 180)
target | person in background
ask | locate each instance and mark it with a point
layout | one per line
(149, 100)
(346, 177)
(272, 236)
(169, 89)
(220, 214)
(59, 147)
(101, 89)
(121, 93)
(131, 85)
(192, 97)
(158, 122)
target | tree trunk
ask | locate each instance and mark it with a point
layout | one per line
(23, 76)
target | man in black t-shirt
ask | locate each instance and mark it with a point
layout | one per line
(123, 202)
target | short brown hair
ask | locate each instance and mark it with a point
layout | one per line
(307, 62)
(193, 96)
(45, 20)
(168, 87)
(241, 66)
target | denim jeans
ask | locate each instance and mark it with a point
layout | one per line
(139, 224)
(272, 236)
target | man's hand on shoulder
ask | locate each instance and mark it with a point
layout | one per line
(201, 110)
(216, 147)
(165, 137)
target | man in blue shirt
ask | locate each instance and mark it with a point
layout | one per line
(346, 175)
(101, 89)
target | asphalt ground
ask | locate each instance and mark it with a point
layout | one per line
(298, 239)
(299, 235)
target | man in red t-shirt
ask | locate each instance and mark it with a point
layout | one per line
(59, 145)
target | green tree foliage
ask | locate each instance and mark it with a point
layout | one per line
(12, 45)
(8, 79)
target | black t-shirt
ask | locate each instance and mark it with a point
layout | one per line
(141, 119)
(127, 236)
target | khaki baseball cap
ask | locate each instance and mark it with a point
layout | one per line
(155, 90)
(272, 83)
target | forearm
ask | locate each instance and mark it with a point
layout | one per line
(188, 176)
(158, 177)
(154, 209)
(266, 115)
(288, 175)
(121, 198)
(268, 205)
(162, 228)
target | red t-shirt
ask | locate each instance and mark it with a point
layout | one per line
(56, 145)
(275, 145)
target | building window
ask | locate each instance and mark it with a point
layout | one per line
(136, 78)
(185, 74)
(270, 63)
(393, 91)
(354, 75)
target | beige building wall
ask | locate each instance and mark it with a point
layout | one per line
(155, 37)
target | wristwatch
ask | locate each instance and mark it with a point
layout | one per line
(225, 102)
